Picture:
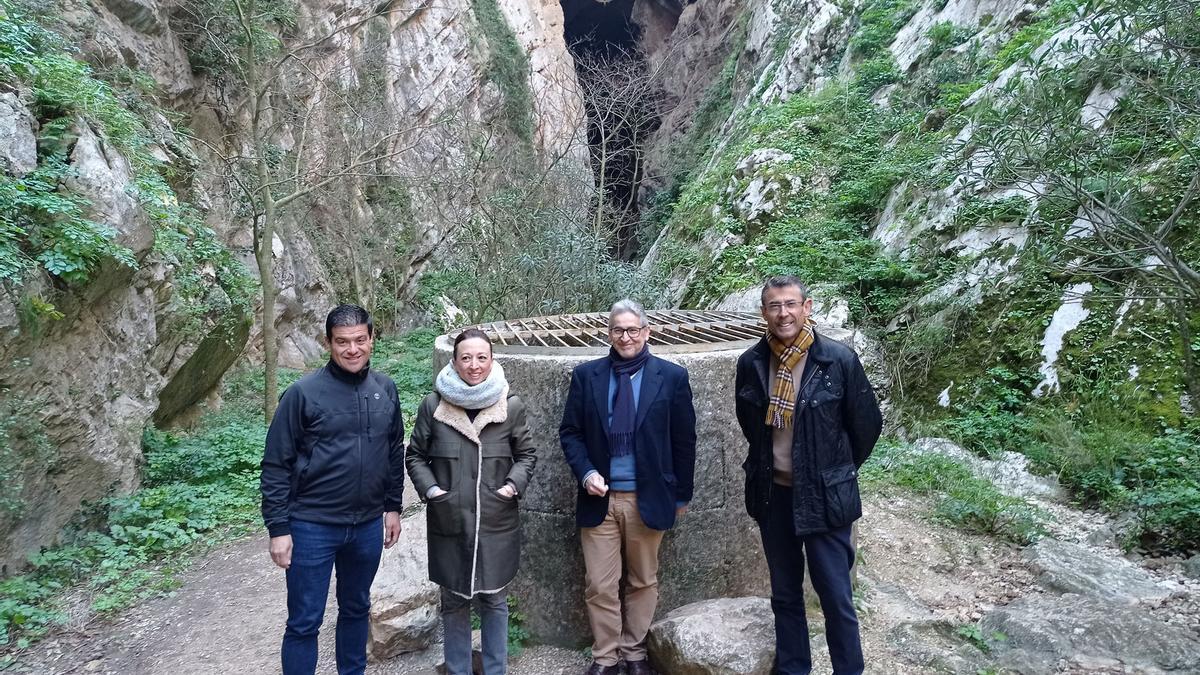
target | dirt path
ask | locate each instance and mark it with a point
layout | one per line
(227, 617)
(919, 582)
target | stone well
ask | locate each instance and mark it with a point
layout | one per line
(714, 550)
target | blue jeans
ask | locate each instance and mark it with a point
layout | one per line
(830, 555)
(317, 549)
(456, 629)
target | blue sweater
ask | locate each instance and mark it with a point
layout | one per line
(623, 472)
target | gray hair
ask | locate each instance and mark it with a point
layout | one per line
(628, 306)
(783, 281)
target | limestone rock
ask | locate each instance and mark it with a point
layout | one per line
(140, 15)
(404, 602)
(18, 146)
(912, 40)
(935, 645)
(765, 186)
(1191, 567)
(818, 39)
(1073, 568)
(202, 371)
(1041, 631)
(104, 177)
(689, 62)
(726, 636)
(1010, 472)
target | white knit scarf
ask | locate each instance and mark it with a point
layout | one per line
(453, 389)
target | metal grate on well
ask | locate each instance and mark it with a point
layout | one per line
(671, 331)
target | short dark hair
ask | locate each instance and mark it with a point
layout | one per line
(347, 315)
(469, 334)
(783, 281)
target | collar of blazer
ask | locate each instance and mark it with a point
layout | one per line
(652, 380)
(456, 418)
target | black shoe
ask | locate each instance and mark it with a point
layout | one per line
(638, 668)
(597, 669)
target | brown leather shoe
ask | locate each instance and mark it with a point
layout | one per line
(638, 668)
(597, 669)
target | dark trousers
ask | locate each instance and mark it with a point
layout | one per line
(829, 556)
(317, 549)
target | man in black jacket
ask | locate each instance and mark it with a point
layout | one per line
(811, 419)
(334, 462)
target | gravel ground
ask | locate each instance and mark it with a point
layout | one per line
(919, 582)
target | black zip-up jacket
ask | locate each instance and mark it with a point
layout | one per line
(835, 426)
(335, 450)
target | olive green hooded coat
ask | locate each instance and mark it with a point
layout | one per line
(474, 533)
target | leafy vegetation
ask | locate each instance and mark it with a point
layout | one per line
(836, 170)
(508, 67)
(39, 226)
(44, 225)
(961, 498)
(974, 635)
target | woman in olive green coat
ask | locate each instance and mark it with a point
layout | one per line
(470, 457)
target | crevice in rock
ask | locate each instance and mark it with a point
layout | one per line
(610, 42)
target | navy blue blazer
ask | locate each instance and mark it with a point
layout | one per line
(664, 439)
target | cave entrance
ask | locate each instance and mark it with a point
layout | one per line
(620, 96)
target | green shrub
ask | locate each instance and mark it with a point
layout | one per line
(962, 499)
(944, 35)
(990, 417)
(878, 24)
(875, 73)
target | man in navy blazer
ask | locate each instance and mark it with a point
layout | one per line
(629, 435)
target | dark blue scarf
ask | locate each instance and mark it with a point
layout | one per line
(624, 412)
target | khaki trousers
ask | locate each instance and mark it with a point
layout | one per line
(620, 631)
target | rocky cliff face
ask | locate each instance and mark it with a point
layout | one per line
(79, 390)
(943, 173)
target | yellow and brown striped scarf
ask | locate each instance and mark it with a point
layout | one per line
(783, 394)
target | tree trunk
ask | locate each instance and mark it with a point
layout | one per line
(266, 276)
(264, 251)
(1191, 378)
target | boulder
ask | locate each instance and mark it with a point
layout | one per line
(726, 636)
(404, 602)
(1074, 568)
(1037, 633)
(935, 645)
(1191, 567)
(18, 147)
(765, 185)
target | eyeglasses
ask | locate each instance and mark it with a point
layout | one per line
(789, 305)
(626, 332)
